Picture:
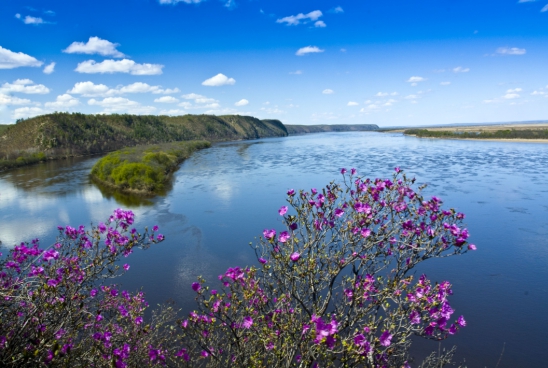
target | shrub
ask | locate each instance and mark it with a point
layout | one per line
(334, 289)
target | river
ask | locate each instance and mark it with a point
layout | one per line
(223, 197)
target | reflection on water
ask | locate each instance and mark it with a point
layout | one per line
(225, 196)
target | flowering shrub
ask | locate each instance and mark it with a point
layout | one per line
(56, 310)
(334, 288)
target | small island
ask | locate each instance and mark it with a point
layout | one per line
(143, 169)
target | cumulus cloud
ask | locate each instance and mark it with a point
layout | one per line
(416, 79)
(460, 69)
(218, 80)
(24, 86)
(27, 112)
(337, 10)
(63, 102)
(95, 45)
(328, 91)
(445, 83)
(352, 103)
(308, 50)
(511, 51)
(90, 89)
(11, 100)
(48, 69)
(512, 94)
(411, 97)
(320, 24)
(11, 60)
(121, 104)
(242, 102)
(201, 102)
(118, 66)
(294, 20)
(166, 99)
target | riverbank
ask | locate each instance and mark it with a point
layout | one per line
(143, 169)
(537, 133)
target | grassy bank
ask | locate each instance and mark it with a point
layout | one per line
(498, 134)
(143, 169)
(62, 135)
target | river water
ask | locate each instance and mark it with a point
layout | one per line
(223, 197)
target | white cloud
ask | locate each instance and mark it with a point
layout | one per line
(166, 99)
(307, 50)
(173, 112)
(294, 20)
(544, 9)
(48, 69)
(382, 94)
(445, 83)
(10, 59)
(202, 102)
(118, 66)
(416, 79)
(90, 89)
(185, 104)
(328, 91)
(297, 72)
(526, 1)
(218, 80)
(95, 45)
(10, 100)
(535, 93)
(411, 97)
(30, 20)
(63, 102)
(514, 90)
(192, 96)
(320, 24)
(24, 86)
(338, 9)
(510, 96)
(27, 112)
(242, 102)
(272, 110)
(119, 104)
(460, 69)
(511, 51)
(352, 103)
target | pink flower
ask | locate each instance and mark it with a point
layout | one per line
(295, 257)
(472, 247)
(196, 286)
(248, 322)
(269, 234)
(283, 210)
(126, 267)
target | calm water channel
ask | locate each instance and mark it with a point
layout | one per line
(223, 197)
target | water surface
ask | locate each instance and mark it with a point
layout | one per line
(223, 197)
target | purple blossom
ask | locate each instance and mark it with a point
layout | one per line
(283, 210)
(293, 226)
(415, 318)
(343, 171)
(339, 212)
(284, 237)
(269, 234)
(263, 261)
(385, 338)
(155, 228)
(248, 322)
(472, 247)
(291, 192)
(461, 321)
(352, 171)
(295, 257)
(196, 286)
(92, 293)
(126, 267)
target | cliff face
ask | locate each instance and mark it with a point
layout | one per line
(63, 134)
(303, 129)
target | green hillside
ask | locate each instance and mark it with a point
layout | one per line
(304, 129)
(64, 135)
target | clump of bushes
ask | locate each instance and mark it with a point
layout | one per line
(22, 160)
(143, 168)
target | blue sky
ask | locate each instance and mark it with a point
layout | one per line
(309, 62)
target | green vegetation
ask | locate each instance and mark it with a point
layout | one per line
(498, 134)
(61, 135)
(143, 168)
(304, 129)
